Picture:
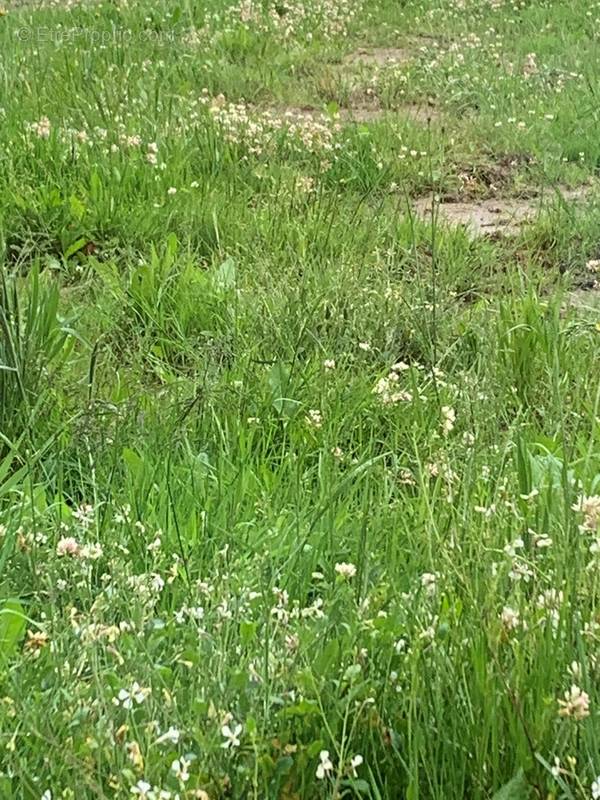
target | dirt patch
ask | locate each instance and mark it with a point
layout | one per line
(489, 178)
(496, 217)
(379, 56)
(414, 113)
(362, 113)
(585, 299)
(484, 218)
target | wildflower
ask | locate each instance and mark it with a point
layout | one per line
(365, 346)
(574, 669)
(355, 762)
(400, 366)
(124, 515)
(135, 755)
(325, 764)
(231, 735)
(68, 546)
(596, 789)
(314, 418)
(576, 704)
(329, 363)
(449, 418)
(42, 128)
(428, 582)
(510, 618)
(84, 514)
(180, 768)
(305, 184)
(346, 571)
(589, 506)
(151, 156)
(387, 391)
(530, 66)
(171, 190)
(91, 552)
(337, 452)
(142, 789)
(36, 640)
(126, 697)
(511, 549)
(520, 571)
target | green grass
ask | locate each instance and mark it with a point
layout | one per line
(291, 478)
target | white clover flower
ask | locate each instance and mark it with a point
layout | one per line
(91, 552)
(68, 546)
(589, 506)
(576, 704)
(510, 618)
(314, 418)
(42, 128)
(428, 582)
(345, 570)
(84, 514)
(124, 515)
(448, 419)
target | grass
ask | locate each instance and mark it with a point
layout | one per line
(299, 490)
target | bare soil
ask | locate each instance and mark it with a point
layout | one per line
(379, 56)
(497, 216)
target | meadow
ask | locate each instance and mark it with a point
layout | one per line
(300, 399)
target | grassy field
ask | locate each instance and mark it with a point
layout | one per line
(300, 399)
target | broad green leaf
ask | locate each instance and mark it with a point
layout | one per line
(75, 247)
(302, 709)
(225, 276)
(12, 626)
(516, 789)
(78, 208)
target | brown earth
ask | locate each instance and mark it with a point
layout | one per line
(379, 56)
(495, 217)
